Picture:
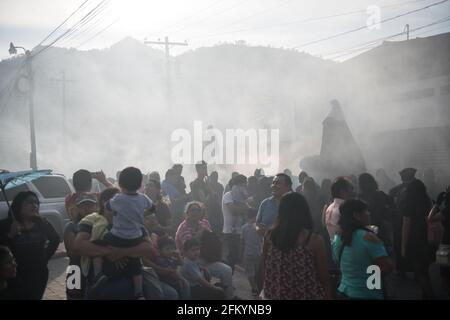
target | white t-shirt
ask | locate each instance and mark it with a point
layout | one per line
(227, 214)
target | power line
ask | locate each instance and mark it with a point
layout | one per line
(364, 27)
(303, 20)
(86, 41)
(67, 42)
(373, 43)
(186, 18)
(432, 30)
(79, 31)
(98, 33)
(62, 23)
(65, 33)
(219, 13)
(277, 6)
(77, 28)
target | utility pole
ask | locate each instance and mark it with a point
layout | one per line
(30, 76)
(407, 31)
(167, 44)
(63, 81)
(168, 120)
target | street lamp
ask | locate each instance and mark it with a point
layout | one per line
(13, 50)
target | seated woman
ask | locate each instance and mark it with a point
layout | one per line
(355, 248)
(193, 225)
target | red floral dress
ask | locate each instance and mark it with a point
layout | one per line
(291, 275)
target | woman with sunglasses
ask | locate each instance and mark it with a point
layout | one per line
(193, 225)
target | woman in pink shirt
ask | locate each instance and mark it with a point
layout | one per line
(193, 225)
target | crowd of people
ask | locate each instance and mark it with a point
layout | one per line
(143, 238)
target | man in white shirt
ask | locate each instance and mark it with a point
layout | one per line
(341, 190)
(233, 213)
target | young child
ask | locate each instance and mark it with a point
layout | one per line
(201, 288)
(128, 229)
(251, 247)
(169, 259)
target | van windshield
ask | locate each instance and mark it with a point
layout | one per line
(52, 186)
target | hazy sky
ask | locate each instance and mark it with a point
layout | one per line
(278, 23)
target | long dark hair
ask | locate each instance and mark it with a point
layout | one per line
(158, 186)
(294, 216)
(19, 199)
(347, 221)
(417, 197)
(367, 183)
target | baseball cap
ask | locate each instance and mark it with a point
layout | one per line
(85, 197)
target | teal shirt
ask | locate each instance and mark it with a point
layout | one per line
(354, 262)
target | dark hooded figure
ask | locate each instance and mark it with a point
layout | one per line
(339, 150)
(380, 206)
(398, 193)
(414, 234)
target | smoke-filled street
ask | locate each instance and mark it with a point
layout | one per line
(238, 150)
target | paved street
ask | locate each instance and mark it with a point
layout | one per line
(398, 288)
(56, 285)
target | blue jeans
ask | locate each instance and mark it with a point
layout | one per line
(122, 288)
(224, 273)
(172, 293)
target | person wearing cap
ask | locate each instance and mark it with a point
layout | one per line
(86, 203)
(407, 175)
(415, 245)
(128, 229)
(89, 243)
(82, 182)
